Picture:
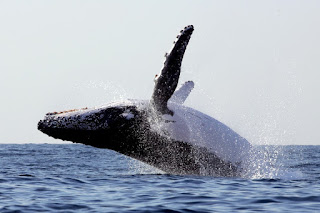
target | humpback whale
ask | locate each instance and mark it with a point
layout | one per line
(161, 132)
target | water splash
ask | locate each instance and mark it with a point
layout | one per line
(138, 167)
(269, 162)
(97, 93)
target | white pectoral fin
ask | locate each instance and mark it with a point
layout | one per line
(181, 94)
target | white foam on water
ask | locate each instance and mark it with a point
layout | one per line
(138, 167)
(269, 162)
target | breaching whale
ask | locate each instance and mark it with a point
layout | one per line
(161, 132)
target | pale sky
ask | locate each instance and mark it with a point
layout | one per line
(255, 64)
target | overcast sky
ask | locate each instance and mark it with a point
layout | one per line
(255, 64)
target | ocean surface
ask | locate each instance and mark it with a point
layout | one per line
(79, 178)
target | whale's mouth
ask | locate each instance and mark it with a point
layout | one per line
(83, 124)
(55, 132)
(74, 125)
(76, 119)
(42, 126)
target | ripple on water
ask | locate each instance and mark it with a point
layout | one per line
(77, 178)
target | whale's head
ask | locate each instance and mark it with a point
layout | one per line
(100, 127)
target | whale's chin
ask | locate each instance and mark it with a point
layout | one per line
(103, 127)
(72, 135)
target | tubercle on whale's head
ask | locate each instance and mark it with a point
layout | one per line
(85, 124)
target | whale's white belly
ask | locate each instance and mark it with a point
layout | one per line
(198, 129)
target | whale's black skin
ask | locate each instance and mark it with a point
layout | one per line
(134, 138)
(128, 128)
(167, 81)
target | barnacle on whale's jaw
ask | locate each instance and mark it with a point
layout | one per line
(85, 125)
(69, 125)
(76, 119)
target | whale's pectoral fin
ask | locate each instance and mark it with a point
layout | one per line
(181, 94)
(166, 83)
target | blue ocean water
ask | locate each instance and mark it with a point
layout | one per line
(79, 178)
